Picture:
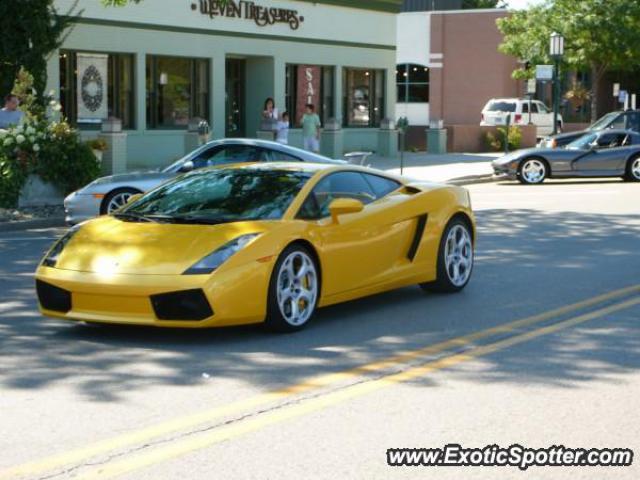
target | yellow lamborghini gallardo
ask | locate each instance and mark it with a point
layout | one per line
(259, 243)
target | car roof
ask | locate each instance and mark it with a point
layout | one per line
(293, 151)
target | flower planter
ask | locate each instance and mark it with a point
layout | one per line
(38, 193)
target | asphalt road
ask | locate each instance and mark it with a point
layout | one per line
(402, 369)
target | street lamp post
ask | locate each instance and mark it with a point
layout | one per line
(556, 51)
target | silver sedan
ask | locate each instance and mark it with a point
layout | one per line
(107, 194)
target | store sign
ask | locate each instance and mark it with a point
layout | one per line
(544, 72)
(308, 87)
(248, 10)
(92, 87)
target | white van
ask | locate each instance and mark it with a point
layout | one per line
(496, 111)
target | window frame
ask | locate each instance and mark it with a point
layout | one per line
(325, 110)
(377, 79)
(311, 195)
(407, 82)
(152, 95)
(68, 88)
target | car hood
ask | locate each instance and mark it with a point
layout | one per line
(132, 178)
(521, 154)
(110, 246)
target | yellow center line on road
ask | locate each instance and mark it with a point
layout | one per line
(194, 443)
(146, 434)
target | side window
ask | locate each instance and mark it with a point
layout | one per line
(277, 156)
(381, 186)
(534, 108)
(332, 187)
(542, 108)
(610, 140)
(202, 160)
(525, 107)
(229, 154)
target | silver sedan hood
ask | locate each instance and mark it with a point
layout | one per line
(143, 181)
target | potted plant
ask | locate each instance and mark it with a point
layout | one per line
(98, 146)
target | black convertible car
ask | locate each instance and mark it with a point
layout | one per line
(608, 153)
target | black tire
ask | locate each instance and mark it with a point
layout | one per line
(443, 282)
(276, 319)
(104, 206)
(525, 177)
(633, 165)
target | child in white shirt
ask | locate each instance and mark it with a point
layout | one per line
(282, 134)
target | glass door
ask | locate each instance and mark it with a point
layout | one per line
(235, 94)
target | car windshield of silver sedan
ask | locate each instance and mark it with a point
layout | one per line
(219, 196)
(583, 142)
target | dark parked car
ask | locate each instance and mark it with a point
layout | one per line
(605, 153)
(629, 120)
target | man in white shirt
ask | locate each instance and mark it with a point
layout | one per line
(10, 116)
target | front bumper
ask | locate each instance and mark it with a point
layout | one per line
(505, 171)
(79, 207)
(236, 296)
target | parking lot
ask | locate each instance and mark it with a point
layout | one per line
(541, 349)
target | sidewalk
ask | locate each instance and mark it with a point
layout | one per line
(457, 168)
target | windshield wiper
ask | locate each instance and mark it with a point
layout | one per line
(133, 217)
(196, 220)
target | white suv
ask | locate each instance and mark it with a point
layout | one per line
(496, 111)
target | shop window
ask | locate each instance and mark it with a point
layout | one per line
(364, 97)
(177, 91)
(309, 84)
(413, 83)
(105, 89)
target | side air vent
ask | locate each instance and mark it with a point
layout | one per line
(53, 298)
(186, 305)
(422, 223)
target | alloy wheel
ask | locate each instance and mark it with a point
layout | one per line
(458, 255)
(635, 168)
(297, 288)
(533, 171)
(117, 201)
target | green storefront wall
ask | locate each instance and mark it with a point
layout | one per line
(266, 56)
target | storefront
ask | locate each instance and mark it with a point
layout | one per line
(158, 64)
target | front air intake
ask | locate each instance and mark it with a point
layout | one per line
(186, 305)
(53, 298)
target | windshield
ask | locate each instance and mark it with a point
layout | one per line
(220, 196)
(604, 122)
(583, 142)
(501, 107)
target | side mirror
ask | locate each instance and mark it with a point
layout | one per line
(187, 166)
(343, 206)
(134, 197)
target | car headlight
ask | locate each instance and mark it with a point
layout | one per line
(213, 261)
(51, 258)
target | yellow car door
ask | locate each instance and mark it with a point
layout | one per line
(363, 248)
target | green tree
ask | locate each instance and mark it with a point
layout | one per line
(30, 30)
(470, 4)
(600, 36)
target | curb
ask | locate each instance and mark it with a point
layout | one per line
(474, 179)
(31, 224)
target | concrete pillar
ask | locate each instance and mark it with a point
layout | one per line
(140, 79)
(332, 139)
(114, 159)
(337, 95)
(218, 96)
(388, 139)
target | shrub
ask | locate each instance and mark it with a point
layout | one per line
(497, 142)
(51, 150)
